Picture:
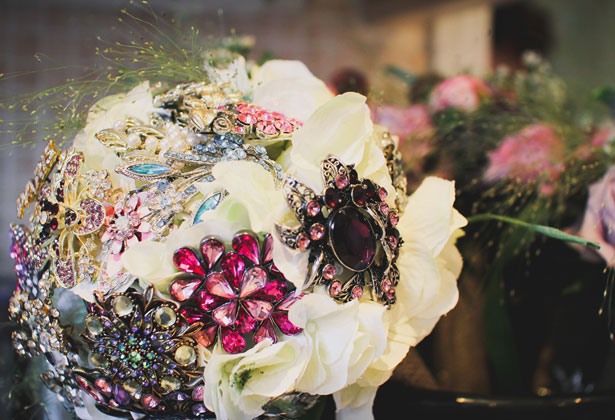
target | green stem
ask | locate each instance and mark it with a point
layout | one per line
(545, 230)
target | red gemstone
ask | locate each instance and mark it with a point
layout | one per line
(370, 189)
(186, 260)
(232, 341)
(217, 285)
(341, 181)
(254, 279)
(247, 246)
(272, 292)
(183, 289)
(313, 208)
(259, 309)
(193, 315)
(352, 239)
(233, 265)
(149, 402)
(268, 249)
(333, 198)
(226, 314)
(285, 325)
(317, 231)
(212, 250)
(103, 385)
(206, 336)
(207, 301)
(244, 323)
(335, 288)
(265, 331)
(359, 195)
(329, 272)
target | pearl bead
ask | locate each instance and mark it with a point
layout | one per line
(151, 143)
(119, 126)
(133, 140)
(192, 139)
(178, 145)
(165, 144)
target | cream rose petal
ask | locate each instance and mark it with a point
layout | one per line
(288, 87)
(429, 214)
(341, 127)
(355, 402)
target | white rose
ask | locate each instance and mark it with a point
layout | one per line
(288, 87)
(238, 385)
(235, 74)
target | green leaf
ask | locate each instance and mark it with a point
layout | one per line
(405, 76)
(544, 230)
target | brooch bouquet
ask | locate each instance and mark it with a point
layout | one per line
(230, 247)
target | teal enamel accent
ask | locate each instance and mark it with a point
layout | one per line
(209, 204)
(149, 169)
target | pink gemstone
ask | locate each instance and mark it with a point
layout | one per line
(226, 314)
(273, 291)
(317, 231)
(265, 116)
(212, 250)
(193, 315)
(393, 218)
(341, 181)
(259, 309)
(357, 292)
(217, 285)
(232, 341)
(103, 385)
(239, 129)
(285, 325)
(206, 336)
(268, 249)
(284, 126)
(295, 122)
(386, 285)
(254, 279)
(313, 208)
(393, 241)
(384, 208)
(241, 106)
(329, 272)
(391, 293)
(265, 331)
(207, 301)
(288, 302)
(247, 246)
(186, 260)
(247, 118)
(244, 323)
(233, 265)
(149, 402)
(198, 393)
(303, 241)
(382, 193)
(335, 288)
(183, 289)
(266, 127)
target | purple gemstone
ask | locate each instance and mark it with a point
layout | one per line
(186, 260)
(359, 195)
(247, 246)
(212, 250)
(177, 396)
(199, 410)
(333, 198)
(198, 393)
(121, 396)
(352, 238)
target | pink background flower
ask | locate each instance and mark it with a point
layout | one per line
(532, 153)
(463, 92)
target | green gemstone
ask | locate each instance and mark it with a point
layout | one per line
(122, 305)
(145, 364)
(135, 356)
(150, 356)
(93, 325)
(132, 341)
(99, 360)
(165, 316)
(121, 347)
(185, 355)
(132, 386)
(169, 384)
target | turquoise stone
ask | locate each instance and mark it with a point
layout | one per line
(149, 169)
(209, 204)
